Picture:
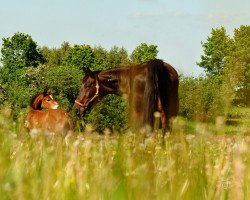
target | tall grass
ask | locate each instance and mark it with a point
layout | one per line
(194, 162)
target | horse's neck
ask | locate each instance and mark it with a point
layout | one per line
(116, 81)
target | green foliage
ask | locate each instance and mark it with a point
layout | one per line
(109, 59)
(229, 60)
(20, 51)
(100, 59)
(81, 56)
(17, 90)
(3, 97)
(238, 65)
(199, 98)
(188, 91)
(117, 57)
(216, 48)
(20, 55)
(144, 53)
(109, 113)
(64, 82)
(54, 56)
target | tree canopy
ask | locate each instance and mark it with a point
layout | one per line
(229, 58)
(143, 53)
(216, 49)
(81, 56)
(20, 51)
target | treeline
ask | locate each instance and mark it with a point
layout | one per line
(226, 83)
(27, 69)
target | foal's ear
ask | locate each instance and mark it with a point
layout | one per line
(46, 92)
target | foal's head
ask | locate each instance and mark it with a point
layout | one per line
(44, 100)
(89, 92)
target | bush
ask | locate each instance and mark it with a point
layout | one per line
(200, 98)
(109, 113)
(64, 82)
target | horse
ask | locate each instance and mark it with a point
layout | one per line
(45, 116)
(150, 87)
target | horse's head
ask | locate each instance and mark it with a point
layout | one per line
(89, 92)
(48, 101)
(44, 101)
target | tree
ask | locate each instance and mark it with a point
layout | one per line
(20, 51)
(143, 53)
(216, 48)
(100, 59)
(81, 56)
(109, 113)
(229, 60)
(64, 82)
(54, 56)
(206, 106)
(237, 66)
(117, 57)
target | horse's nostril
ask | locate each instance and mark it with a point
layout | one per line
(77, 111)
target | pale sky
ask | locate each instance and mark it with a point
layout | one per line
(177, 27)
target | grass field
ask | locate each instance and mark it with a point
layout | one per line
(196, 161)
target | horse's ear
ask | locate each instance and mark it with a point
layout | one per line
(88, 72)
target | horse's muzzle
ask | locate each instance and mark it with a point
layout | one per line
(79, 109)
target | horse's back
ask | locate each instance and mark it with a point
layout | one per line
(61, 119)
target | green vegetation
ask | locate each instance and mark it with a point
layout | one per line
(206, 156)
(229, 60)
(61, 69)
(197, 161)
(28, 69)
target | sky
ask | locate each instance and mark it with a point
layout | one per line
(177, 27)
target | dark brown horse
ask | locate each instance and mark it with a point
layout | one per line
(149, 87)
(45, 116)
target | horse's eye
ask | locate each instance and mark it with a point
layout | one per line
(48, 99)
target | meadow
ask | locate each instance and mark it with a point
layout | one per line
(205, 156)
(195, 161)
